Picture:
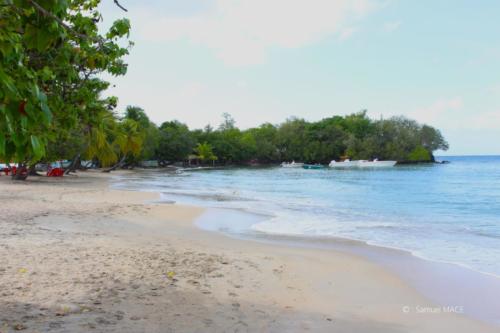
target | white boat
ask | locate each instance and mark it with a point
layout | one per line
(292, 164)
(362, 164)
(376, 164)
(344, 164)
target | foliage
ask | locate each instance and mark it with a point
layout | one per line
(175, 141)
(129, 138)
(419, 154)
(51, 53)
(204, 152)
(149, 132)
(354, 136)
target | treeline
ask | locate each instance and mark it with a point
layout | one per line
(354, 136)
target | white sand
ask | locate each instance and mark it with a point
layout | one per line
(78, 257)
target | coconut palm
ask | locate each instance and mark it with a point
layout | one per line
(128, 141)
(205, 152)
(100, 138)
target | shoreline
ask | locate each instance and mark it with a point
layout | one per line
(218, 200)
(463, 285)
(154, 254)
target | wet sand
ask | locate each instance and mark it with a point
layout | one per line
(76, 256)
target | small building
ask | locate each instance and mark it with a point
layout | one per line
(193, 160)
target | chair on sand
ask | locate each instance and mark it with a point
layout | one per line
(55, 172)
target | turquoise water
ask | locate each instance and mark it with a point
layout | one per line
(448, 213)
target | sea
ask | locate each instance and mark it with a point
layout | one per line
(437, 226)
(446, 213)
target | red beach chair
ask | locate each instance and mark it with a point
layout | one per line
(55, 172)
(23, 172)
(5, 169)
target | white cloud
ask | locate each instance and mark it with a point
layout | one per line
(392, 26)
(242, 32)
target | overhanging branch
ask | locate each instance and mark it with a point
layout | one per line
(120, 6)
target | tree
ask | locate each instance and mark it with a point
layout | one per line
(432, 139)
(175, 141)
(264, 146)
(205, 153)
(51, 53)
(100, 138)
(149, 131)
(137, 114)
(291, 139)
(228, 122)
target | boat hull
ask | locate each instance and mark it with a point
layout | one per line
(312, 167)
(342, 165)
(376, 164)
(292, 165)
(362, 164)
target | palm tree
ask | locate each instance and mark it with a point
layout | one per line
(99, 138)
(128, 141)
(205, 152)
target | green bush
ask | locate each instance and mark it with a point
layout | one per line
(419, 154)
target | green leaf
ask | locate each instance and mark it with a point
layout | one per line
(7, 82)
(2, 145)
(38, 147)
(47, 114)
(38, 38)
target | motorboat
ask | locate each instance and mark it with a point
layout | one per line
(292, 164)
(313, 166)
(376, 164)
(347, 163)
(362, 164)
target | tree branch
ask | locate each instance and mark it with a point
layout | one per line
(58, 20)
(120, 6)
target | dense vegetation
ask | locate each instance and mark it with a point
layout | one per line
(354, 136)
(52, 55)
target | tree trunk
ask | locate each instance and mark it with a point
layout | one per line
(75, 163)
(32, 171)
(117, 165)
(21, 172)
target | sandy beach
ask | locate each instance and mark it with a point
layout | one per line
(77, 256)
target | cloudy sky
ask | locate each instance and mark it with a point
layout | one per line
(437, 61)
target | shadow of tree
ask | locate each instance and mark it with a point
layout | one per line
(137, 308)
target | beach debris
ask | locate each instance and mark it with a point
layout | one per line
(194, 282)
(19, 327)
(103, 321)
(66, 309)
(170, 275)
(22, 271)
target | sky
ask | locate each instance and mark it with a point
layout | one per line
(436, 61)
